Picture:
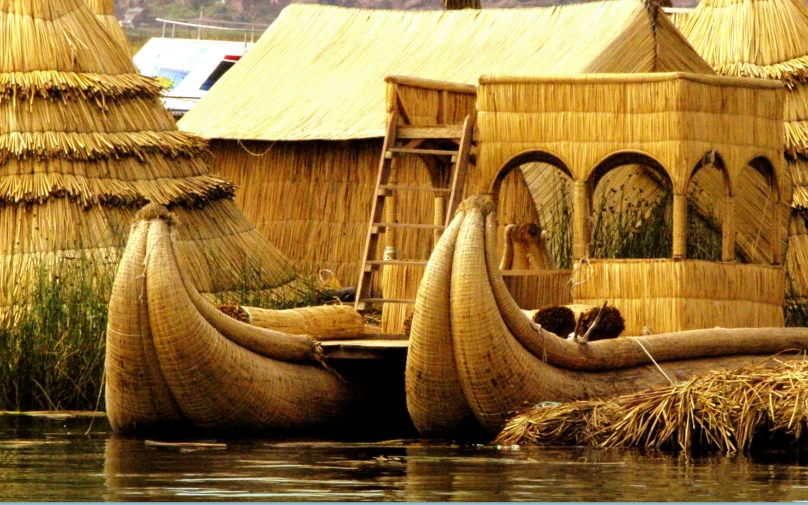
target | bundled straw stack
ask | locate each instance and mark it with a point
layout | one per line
(721, 411)
(766, 39)
(85, 142)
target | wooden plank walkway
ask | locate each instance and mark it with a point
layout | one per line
(381, 347)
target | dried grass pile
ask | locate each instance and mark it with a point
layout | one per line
(721, 411)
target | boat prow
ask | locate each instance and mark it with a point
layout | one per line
(174, 360)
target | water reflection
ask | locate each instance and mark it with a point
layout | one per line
(46, 460)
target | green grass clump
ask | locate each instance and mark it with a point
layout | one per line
(52, 343)
(53, 338)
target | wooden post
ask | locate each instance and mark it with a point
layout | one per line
(777, 250)
(580, 217)
(728, 230)
(390, 211)
(440, 215)
(679, 226)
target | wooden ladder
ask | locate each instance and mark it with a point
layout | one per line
(406, 140)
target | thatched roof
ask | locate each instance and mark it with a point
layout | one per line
(318, 72)
(85, 142)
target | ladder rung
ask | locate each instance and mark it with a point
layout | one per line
(436, 152)
(430, 132)
(411, 226)
(414, 188)
(386, 300)
(414, 263)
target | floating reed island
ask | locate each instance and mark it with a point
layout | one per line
(723, 411)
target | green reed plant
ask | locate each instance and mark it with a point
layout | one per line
(632, 228)
(52, 338)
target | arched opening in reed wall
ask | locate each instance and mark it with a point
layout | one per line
(630, 199)
(535, 187)
(709, 192)
(758, 213)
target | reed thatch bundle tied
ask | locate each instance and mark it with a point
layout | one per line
(98, 146)
(85, 142)
(721, 411)
(72, 86)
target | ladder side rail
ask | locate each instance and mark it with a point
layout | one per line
(461, 167)
(377, 208)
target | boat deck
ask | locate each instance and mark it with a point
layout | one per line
(380, 347)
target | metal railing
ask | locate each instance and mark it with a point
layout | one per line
(246, 28)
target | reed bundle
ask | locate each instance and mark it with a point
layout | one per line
(104, 11)
(92, 146)
(722, 411)
(66, 35)
(325, 322)
(74, 86)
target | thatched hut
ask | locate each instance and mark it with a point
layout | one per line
(85, 142)
(298, 123)
(766, 39)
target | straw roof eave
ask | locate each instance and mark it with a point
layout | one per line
(60, 85)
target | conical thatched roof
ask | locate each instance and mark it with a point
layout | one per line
(104, 11)
(85, 142)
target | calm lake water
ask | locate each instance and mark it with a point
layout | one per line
(45, 459)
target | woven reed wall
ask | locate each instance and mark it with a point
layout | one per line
(797, 257)
(674, 119)
(312, 199)
(766, 39)
(533, 289)
(667, 295)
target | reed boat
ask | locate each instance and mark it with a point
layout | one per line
(175, 362)
(475, 357)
